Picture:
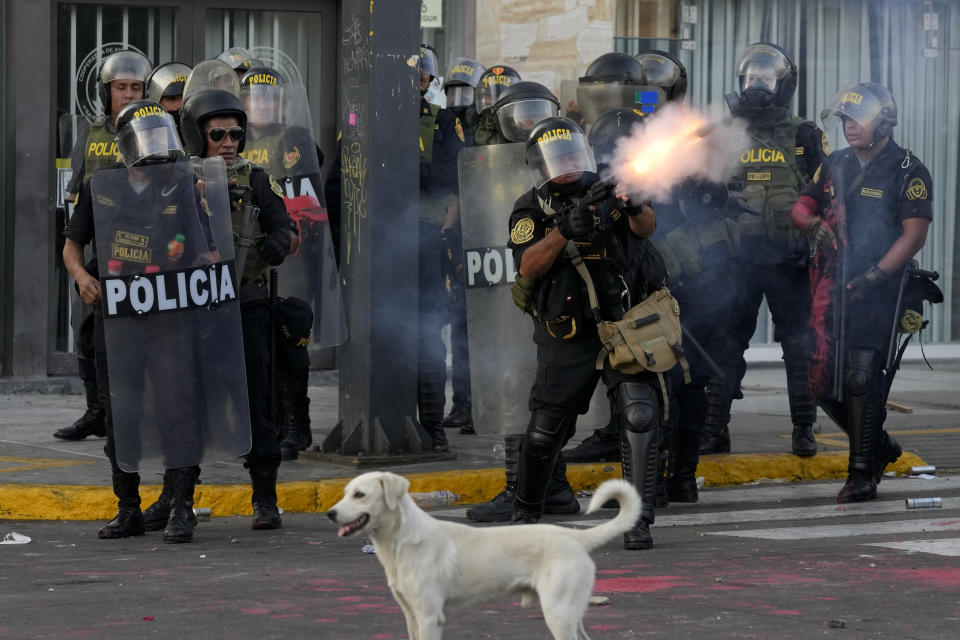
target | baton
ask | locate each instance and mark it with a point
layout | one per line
(718, 372)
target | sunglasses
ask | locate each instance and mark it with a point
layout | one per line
(217, 133)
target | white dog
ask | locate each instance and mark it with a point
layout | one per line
(432, 563)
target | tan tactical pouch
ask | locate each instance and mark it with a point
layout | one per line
(648, 338)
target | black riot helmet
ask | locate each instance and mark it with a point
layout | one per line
(261, 92)
(199, 107)
(491, 84)
(664, 70)
(766, 76)
(612, 80)
(120, 65)
(610, 127)
(461, 81)
(556, 148)
(521, 106)
(146, 134)
(871, 105)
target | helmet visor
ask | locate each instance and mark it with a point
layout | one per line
(490, 90)
(167, 81)
(212, 74)
(517, 119)
(761, 67)
(660, 71)
(428, 61)
(262, 103)
(854, 103)
(596, 98)
(149, 140)
(459, 95)
(559, 153)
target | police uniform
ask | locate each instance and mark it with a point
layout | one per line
(568, 345)
(893, 187)
(700, 260)
(783, 156)
(255, 314)
(441, 138)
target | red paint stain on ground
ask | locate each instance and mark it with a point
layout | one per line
(351, 599)
(604, 627)
(326, 620)
(787, 612)
(256, 611)
(382, 636)
(639, 585)
(948, 578)
(826, 598)
(725, 587)
(611, 572)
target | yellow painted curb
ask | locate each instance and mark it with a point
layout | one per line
(71, 502)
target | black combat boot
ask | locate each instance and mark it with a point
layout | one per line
(295, 414)
(890, 450)
(94, 420)
(501, 507)
(603, 445)
(803, 410)
(155, 516)
(263, 478)
(561, 498)
(460, 417)
(439, 437)
(863, 400)
(128, 521)
(716, 433)
(182, 520)
(692, 412)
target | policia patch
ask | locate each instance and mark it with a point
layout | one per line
(917, 190)
(522, 232)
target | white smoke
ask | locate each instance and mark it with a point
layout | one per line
(676, 143)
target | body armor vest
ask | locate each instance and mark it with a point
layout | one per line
(101, 150)
(433, 208)
(773, 183)
(252, 269)
(683, 248)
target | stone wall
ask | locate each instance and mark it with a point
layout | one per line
(546, 41)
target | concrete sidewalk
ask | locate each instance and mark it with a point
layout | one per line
(45, 478)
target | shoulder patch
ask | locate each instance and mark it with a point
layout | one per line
(291, 158)
(275, 187)
(825, 143)
(459, 129)
(917, 189)
(522, 231)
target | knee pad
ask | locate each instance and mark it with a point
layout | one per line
(638, 407)
(863, 369)
(547, 432)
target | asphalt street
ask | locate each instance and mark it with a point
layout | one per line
(770, 561)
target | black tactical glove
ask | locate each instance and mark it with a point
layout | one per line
(820, 234)
(275, 247)
(575, 223)
(859, 287)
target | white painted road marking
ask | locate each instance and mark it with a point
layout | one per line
(846, 530)
(941, 547)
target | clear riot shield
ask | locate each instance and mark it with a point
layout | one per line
(503, 357)
(72, 130)
(284, 146)
(170, 315)
(211, 74)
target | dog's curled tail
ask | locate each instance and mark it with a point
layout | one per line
(624, 493)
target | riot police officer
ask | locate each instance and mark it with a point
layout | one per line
(214, 123)
(663, 71)
(612, 80)
(165, 87)
(784, 155)
(120, 80)
(146, 137)
(581, 270)
(460, 86)
(521, 106)
(866, 213)
(490, 86)
(441, 138)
